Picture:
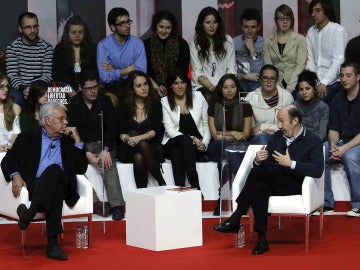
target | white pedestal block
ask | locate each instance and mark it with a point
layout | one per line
(160, 219)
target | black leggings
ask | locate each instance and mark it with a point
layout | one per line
(182, 153)
(146, 158)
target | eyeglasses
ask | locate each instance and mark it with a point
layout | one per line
(31, 27)
(62, 118)
(91, 88)
(283, 19)
(3, 86)
(266, 79)
(122, 24)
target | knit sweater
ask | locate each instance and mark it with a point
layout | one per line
(28, 63)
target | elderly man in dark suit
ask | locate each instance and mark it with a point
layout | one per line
(46, 161)
(291, 154)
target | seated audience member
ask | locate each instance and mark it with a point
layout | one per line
(140, 128)
(45, 161)
(165, 49)
(9, 116)
(343, 143)
(212, 52)
(119, 53)
(249, 50)
(326, 41)
(75, 52)
(38, 95)
(315, 112)
(352, 52)
(285, 49)
(235, 131)
(279, 170)
(266, 102)
(28, 57)
(88, 109)
(187, 132)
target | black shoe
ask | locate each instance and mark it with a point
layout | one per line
(54, 252)
(226, 227)
(118, 213)
(260, 248)
(328, 209)
(217, 209)
(24, 219)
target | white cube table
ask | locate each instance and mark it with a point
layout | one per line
(160, 219)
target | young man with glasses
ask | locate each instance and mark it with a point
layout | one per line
(89, 112)
(326, 41)
(119, 53)
(29, 57)
(266, 101)
(249, 50)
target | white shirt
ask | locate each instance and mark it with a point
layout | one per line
(326, 50)
(214, 68)
(6, 135)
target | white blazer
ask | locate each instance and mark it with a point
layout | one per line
(171, 119)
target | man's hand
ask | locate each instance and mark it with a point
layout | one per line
(321, 90)
(249, 43)
(93, 159)
(105, 157)
(283, 160)
(73, 133)
(17, 184)
(239, 136)
(336, 152)
(107, 66)
(261, 155)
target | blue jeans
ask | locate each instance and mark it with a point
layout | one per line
(351, 161)
(260, 139)
(248, 86)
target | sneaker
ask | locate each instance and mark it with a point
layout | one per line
(328, 209)
(355, 212)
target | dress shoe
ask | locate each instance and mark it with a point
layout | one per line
(118, 213)
(24, 219)
(226, 227)
(54, 252)
(260, 248)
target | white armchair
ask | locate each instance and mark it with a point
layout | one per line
(311, 199)
(9, 204)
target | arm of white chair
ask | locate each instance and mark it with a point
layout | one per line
(243, 172)
(8, 203)
(313, 193)
(84, 187)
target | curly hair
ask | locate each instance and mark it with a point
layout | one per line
(310, 77)
(165, 15)
(130, 93)
(9, 114)
(201, 38)
(87, 47)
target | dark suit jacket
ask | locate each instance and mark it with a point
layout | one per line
(24, 157)
(306, 150)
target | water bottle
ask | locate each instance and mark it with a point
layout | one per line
(78, 237)
(85, 237)
(241, 237)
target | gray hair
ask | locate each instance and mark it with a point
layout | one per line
(47, 109)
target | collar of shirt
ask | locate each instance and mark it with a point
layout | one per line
(289, 141)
